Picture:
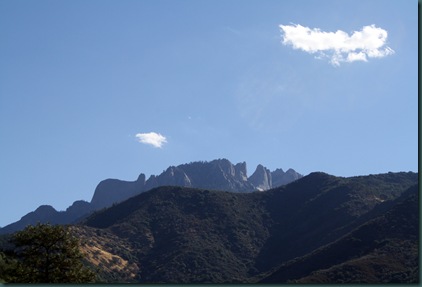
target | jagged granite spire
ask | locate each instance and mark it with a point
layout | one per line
(219, 174)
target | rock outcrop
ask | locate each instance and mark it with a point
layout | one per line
(261, 178)
(218, 174)
(279, 177)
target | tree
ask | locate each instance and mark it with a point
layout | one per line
(47, 254)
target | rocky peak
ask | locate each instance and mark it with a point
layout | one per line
(111, 191)
(141, 179)
(218, 174)
(261, 178)
(293, 174)
(279, 172)
(174, 176)
(241, 172)
(225, 166)
(279, 177)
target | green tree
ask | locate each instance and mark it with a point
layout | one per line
(47, 253)
(3, 267)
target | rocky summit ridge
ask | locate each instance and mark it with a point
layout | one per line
(219, 174)
(318, 229)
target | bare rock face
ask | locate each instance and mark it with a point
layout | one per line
(279, 177)
(174, 176)
(111, 191)
(261, 178)
(241, 172)
(219, 174)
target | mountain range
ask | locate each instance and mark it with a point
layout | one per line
(218, 174)
(317, 229)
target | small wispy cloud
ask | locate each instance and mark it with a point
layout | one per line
(339, 46)
(155, 139)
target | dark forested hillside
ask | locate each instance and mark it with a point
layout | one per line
(383, 249)
(218, 174)
(189, 235)
(186, 235)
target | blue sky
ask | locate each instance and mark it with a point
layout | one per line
(82, 83)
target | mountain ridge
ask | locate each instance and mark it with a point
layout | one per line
(219, 174)
(188, 235)
(367, 238)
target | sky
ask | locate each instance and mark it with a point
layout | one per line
(99, 89)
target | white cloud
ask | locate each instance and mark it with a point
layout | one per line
(338, 46)
(154, 139)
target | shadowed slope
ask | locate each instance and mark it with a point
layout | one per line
(185, 235)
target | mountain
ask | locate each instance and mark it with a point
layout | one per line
(47, 213)
(110, 191)
(218, 174)
(382, 250)
(279, 177)
(320, 228)
(261, 179)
